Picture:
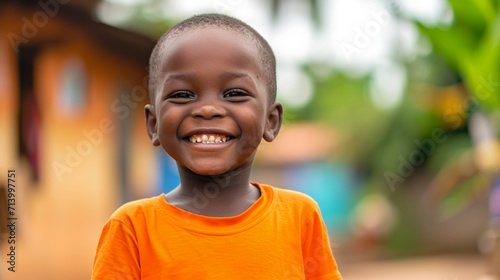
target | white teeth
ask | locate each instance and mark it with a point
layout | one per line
(208, 138)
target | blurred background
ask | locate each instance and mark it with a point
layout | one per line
(392, 117)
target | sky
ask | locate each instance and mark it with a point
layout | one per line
(359, 37)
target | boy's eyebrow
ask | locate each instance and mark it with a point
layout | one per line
(182, 76)
(235, 75)
(186, 76)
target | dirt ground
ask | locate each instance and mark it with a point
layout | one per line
(447, 267)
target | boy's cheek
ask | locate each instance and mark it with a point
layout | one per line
(246, 146)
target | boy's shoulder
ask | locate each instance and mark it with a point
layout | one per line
(135, 208)
(293, 198)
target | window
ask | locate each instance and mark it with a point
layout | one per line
(72, 98)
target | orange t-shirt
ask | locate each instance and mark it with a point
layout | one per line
(281, 236)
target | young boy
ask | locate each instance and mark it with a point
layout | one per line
(213, 91)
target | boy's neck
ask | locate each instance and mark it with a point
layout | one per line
(223, 195)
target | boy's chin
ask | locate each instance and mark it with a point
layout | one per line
(209, 171)
(215, 171)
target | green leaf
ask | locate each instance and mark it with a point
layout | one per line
(475, 14)
(455, 43)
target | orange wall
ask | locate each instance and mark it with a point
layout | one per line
(61, 216)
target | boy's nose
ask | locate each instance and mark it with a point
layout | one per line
(208, 110)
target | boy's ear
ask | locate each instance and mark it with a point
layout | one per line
(151, 124)
(273, 122)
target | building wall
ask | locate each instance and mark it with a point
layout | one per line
(60, 215)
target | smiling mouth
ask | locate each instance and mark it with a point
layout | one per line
(209, 138)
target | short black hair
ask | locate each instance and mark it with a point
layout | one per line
(266, 54)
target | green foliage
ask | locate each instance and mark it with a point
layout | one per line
(344, 102)
(472, 45)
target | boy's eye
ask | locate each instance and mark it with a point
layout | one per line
(181, 96)
(236, 95)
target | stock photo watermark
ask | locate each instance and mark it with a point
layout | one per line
(454, 116)
(363, 36)
(75, 155)
(212, 190)
(311, 263)
(424, 149)
(39, 19)
(11, 220)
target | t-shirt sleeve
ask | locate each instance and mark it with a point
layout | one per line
(117, 256)
(319, 262)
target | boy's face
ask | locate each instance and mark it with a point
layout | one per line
(212, 108)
